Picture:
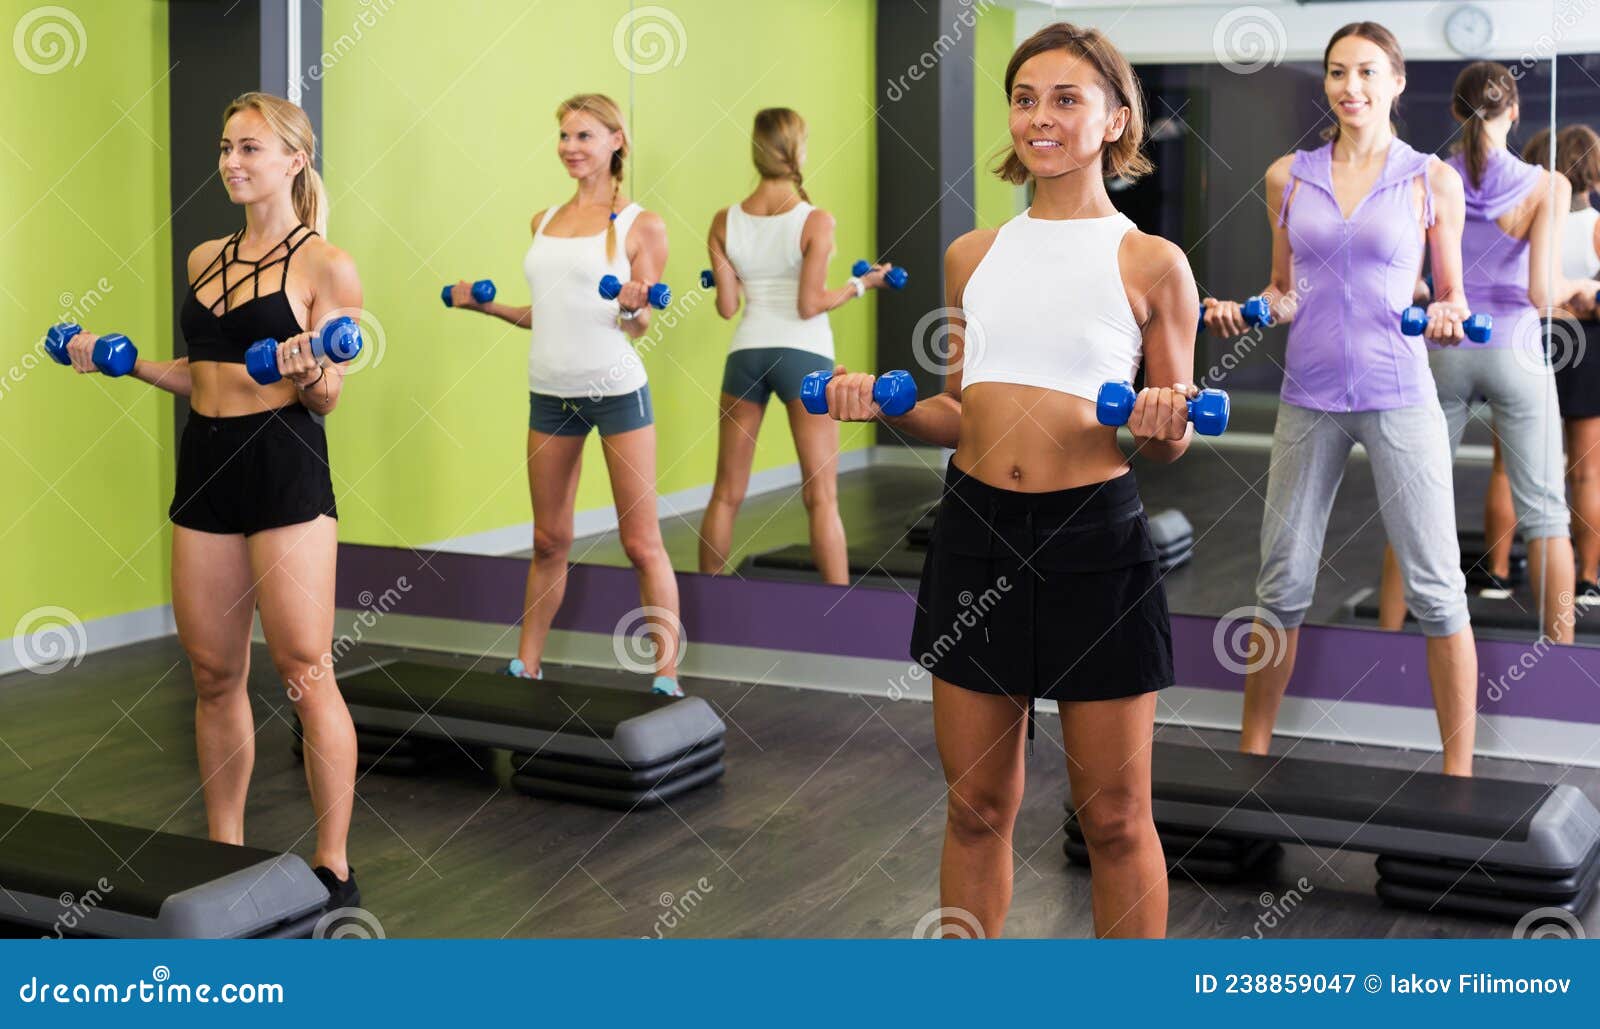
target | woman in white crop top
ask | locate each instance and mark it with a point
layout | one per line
(773, 249)
(584, 374)
(1575, 349)
(1041, 579)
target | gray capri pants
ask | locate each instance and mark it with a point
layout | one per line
(1521, 391)
(1410, 456)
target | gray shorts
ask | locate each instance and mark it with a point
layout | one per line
(1410, 456)
(1521, 391)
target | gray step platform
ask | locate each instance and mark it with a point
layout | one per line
(171, 887)
(1532, 828)
(591, 743)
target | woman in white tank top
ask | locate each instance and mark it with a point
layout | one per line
(773, 249)
(1575, 345)
(584, 374)
(1041, 578)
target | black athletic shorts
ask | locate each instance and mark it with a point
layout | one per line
(252, 472)
(1577, 364)
(1056, 596)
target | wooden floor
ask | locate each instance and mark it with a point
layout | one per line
(828, 822)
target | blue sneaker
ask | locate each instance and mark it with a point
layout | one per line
(517, 670)
(666, 687)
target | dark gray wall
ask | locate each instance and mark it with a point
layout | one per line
(925, 166)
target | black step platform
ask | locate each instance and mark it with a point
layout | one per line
(617, 747)
(1209, 858)
(1474, 558)
(882, 566)
(171, 887)
(1516, 613)
(1510, 831)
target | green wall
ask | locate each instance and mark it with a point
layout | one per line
(994, 42)
(85, 462)
(441, 145)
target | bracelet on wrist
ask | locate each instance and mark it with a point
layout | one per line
(857, 285)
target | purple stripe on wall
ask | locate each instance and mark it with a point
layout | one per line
(1334, 663)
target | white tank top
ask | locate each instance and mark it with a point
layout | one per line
(1046, 307)
(1578, 259)
(765, 251)
(577, 349)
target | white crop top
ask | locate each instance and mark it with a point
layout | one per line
(1578, 259)
(577, 348)
(1046, 307)
(765, 251)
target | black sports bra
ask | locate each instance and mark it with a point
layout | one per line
(213, 335)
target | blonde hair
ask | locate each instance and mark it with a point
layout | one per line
(775, 146)
(293, 129)
(604, 110)
(1123, 158)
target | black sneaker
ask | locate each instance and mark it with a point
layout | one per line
(1494, 587)
(344, 894)
(1588, 594)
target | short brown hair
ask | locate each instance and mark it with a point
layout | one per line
(1123, 158)
(1577, 155)
(1376, 34)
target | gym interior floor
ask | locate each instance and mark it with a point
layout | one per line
(829, 823)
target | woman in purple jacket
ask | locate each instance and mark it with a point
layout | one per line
(1509, 249)
(1350, 220)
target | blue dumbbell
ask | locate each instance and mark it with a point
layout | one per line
(1257, 311)
(482, 292)
(114, 354)
(707, 280)
(658, 296)
(338, 342)
(895, 277)
(1478, 327)
(1208, 411)
(895, 392)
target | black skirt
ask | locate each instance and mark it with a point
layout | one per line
(1056, 596)
(252, 472)
(1578, 374)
